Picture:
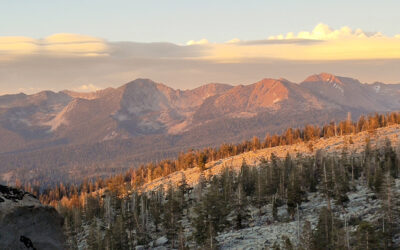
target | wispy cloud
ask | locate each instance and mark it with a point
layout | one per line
(55, 45)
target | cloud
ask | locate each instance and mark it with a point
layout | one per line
(55, 45)
(65, 61)
(200, 42)
(17, 45)
(322, 43)
(73, 44)
(324, 32)
(87, 88)
(276, 41)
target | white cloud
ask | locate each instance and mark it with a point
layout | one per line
(322, 43)
(234, 40)
(87, 88)
(200, 42)
(324, 32)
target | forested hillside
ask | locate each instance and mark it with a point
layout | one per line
(313, 199)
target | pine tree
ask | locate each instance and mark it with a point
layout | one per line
(329, 232)
(93, 241)
(287, 243)
(172, 215)
(210, 215)
(156, 208)
(367, 237)
(246, 179)
(390, 210)
(201, 161)
(241, 211)
(260, 187)
(306, 238)
(294, 194)
(275, 208)
(119, 236)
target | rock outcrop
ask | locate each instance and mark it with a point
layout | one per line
(27, 224)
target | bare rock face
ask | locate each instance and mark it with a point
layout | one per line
(27, 224)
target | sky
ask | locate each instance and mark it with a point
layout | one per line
(87, 45)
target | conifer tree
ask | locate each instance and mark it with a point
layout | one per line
(287, 243)
(328, 231)
(210, 215)
(367, 238)
(241, 211)
(93, 239)
(119, 236)
(306, 238)
(390, 210)
(294, 194)
(156, 208)
(260, 186)
(172, 215)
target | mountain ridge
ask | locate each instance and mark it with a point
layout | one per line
(158, 119)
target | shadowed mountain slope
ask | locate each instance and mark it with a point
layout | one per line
(153, 120)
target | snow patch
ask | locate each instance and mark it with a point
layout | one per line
(377, 88)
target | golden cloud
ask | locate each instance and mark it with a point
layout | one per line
(17, 45)
(322, 43)
(200, 42)
(54, 45)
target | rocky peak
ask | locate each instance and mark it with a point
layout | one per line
(143, 95)
(212, 89)
(324, 77)
(139, 83)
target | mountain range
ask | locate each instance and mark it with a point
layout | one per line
(102, 132)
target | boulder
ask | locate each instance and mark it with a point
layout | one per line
(27, 224)
(161, 241)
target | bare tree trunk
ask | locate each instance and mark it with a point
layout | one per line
(347, 232)
(298, 225)
(326, 189)
(352, 171)
(211, 238)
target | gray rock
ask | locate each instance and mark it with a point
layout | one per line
(160, 248)
(161, 241)
(27, 224)
(140, 248)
